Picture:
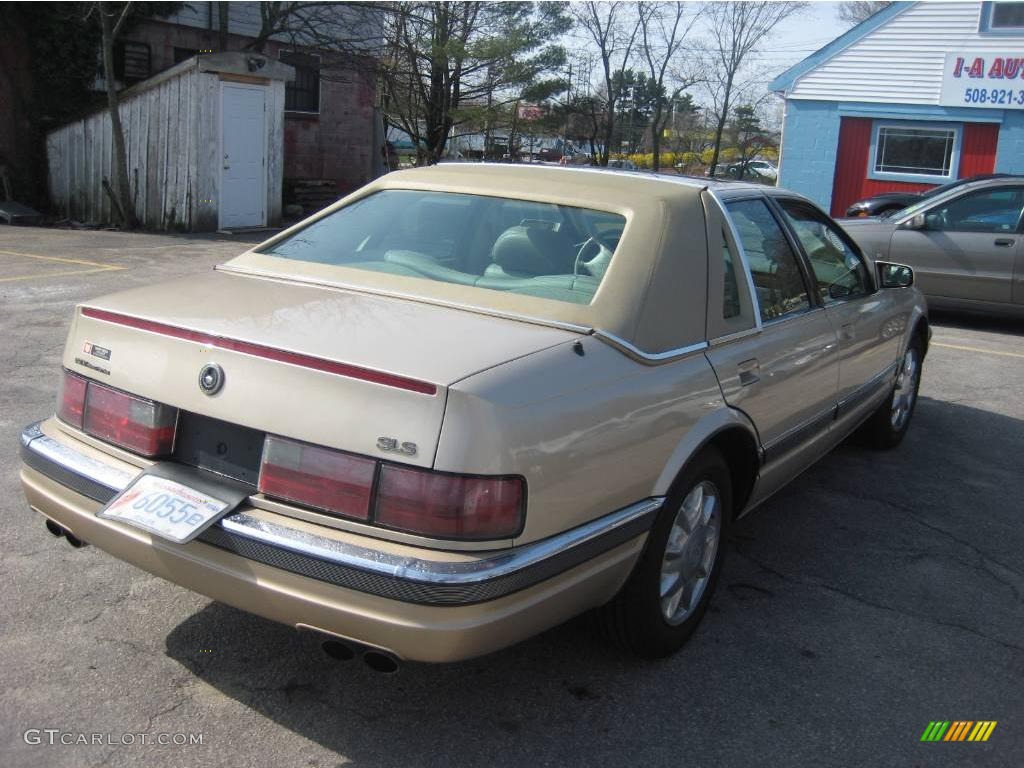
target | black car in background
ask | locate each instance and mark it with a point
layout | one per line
(887, 203)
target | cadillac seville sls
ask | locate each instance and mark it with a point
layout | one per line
(466, 403)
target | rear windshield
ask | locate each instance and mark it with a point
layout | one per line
(519, 246)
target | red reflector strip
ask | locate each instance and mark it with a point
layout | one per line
(269, 353)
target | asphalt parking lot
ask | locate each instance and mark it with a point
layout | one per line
(878, 592)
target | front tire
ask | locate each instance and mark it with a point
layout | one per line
(668, 592)
(888, 425)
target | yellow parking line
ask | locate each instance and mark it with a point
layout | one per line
(976, 349)
(63, 273)
(66, 261)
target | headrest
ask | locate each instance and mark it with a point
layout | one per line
(523, 250)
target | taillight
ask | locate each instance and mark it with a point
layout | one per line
(418, 501)
(449, 506)
(71, 401)
(127, 421)
(319, 477)
(130, 422)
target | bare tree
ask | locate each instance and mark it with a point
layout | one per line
(856, 11)
(614, 35)
(736, 31)
(663, 30)
(112, 21)
(449, 64)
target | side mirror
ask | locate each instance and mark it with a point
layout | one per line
(894, 275)
(917, 222)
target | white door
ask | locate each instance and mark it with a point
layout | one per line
(243, 180)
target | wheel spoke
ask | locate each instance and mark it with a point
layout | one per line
(692, 505)
(690, 551)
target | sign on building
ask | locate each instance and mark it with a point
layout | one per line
(995, 81)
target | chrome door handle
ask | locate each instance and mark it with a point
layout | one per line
(1005, 242)
(749, 372)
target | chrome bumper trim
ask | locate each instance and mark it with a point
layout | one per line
(499, 564)
(408, 579)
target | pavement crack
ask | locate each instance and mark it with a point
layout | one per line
(162, 712)
(872, 604)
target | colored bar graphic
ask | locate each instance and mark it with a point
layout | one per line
(958, 730)
(935, 730)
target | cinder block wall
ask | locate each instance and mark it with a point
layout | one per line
(1010, 150)
(810, 139)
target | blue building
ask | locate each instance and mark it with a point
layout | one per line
(920, 94)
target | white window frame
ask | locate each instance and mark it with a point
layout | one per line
(986, 27)
(916, 178)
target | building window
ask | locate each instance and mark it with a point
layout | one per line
(302, 94)
(1007, 16)
(915, 152)
(131, 62)
(1001, 18)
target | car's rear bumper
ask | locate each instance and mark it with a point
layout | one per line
(415, 603)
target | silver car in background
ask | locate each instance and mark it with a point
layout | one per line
(966, 245)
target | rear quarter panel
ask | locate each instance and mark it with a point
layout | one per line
(591, 433)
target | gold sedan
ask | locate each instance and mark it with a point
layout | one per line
(468, 402)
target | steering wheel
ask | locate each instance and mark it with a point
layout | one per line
(586, 245)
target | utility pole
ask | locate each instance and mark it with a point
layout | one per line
(568, 101)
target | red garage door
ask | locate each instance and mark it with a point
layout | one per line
(977, 155)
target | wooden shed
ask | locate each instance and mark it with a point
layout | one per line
(204, 141)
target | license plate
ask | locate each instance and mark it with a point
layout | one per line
(164, 507)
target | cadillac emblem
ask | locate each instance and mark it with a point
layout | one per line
(211, 378)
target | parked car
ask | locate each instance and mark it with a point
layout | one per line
(965, 243)
(623, 164)
(888, 203)
(753, 170)
(466, 403)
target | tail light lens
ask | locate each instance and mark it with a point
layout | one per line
(71, 402)
(124, 420)
(417, 501)
(319, 477)
(130, 422)
(449, 506)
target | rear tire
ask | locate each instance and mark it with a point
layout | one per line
(888, 425)
(664, 599)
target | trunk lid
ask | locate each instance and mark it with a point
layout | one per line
(332, 367)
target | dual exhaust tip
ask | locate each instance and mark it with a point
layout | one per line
(340, 650)
(377, 660)
(59, 530)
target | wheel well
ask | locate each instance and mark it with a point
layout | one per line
(921, 329)
(739, 449)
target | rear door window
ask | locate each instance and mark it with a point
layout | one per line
(778, 280)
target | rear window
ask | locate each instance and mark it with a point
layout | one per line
(535, 249)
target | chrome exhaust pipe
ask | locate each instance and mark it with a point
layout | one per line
(338, 650)
(343, 649)
(381, 662)
(59, 530)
